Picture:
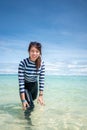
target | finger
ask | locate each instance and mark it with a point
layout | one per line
(38, 101)
(27, 105)
(24, 108)
(43, 103)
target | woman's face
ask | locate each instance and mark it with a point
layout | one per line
(34, 53)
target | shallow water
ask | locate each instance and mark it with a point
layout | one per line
(65, 105)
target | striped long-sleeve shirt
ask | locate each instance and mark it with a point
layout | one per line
(27, 73)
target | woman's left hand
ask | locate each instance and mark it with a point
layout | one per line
(40, 100)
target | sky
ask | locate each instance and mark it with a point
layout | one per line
(59, 25)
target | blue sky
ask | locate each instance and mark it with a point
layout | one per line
(60, 25)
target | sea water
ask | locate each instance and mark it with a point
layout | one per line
(65, 105)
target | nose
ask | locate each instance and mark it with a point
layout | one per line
(34, 53)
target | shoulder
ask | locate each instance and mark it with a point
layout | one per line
(42, 64)
(23, 61)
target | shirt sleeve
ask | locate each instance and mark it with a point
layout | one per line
(21, 69)
(42, 77)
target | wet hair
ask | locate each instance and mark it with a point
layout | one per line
(38, 46)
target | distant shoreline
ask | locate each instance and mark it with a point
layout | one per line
(15, 74)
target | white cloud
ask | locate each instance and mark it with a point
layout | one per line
(59, 61)
(8, 68)
(59, 68)
(67, 68)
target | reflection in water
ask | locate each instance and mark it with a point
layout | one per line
(27, 115)
(46, 118)
(12, 117)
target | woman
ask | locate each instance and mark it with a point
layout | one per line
(31, 73)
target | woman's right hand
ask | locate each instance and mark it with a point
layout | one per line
(25, 105)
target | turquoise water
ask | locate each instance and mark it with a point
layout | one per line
(65, 105)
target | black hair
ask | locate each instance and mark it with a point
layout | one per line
(38, 46)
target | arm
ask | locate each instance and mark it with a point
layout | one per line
(21, 85)
(41, 84)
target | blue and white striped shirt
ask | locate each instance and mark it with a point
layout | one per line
(27, 73)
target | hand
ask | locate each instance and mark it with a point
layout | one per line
(25, 105)
(40, 100)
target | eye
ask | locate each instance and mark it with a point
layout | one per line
(32, 51)
(37, 51)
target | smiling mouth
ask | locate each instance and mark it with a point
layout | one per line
(34, 57)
